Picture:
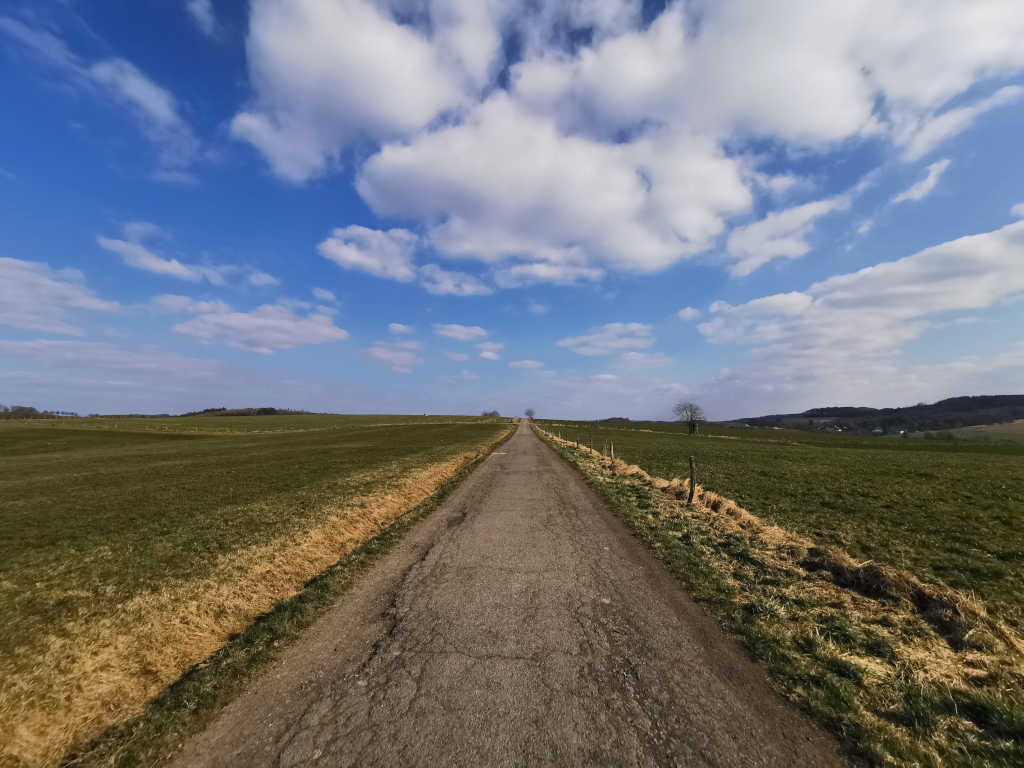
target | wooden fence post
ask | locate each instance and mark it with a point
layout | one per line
(693, 481)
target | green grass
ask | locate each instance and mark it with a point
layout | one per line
(111, 512)
(185, 707)
(96, 512)
(948, 510)
(875, 673)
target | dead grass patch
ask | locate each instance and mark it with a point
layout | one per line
(905, 671)
(90, 675)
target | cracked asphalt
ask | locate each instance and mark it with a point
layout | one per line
(520, 624)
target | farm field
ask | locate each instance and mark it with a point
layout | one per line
(900, 668)
(1009, 430)
(133, 548)
(947, 510)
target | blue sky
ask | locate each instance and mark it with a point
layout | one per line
(591, 209)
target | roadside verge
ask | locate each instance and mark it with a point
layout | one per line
(904, 672)
(190, 703)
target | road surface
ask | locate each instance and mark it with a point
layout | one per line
(520, 624)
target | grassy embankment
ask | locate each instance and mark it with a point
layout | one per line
(135, 548)
(833, 565)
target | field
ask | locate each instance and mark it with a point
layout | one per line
(834, 559)
(951, 510)
(133, 548)
(1008, 430)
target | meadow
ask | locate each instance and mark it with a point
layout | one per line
(951, 510)
(834, 560)
(134, 547)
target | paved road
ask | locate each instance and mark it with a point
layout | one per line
(520, 624)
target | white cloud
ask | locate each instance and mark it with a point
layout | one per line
(604, 377)
(526, 364)
(442, 282)
(35, 297)
(1018, 211)
(322, 294)
(580, 165)
(921, 137)
(460, 332)
(400, 355)
(459, 357)
(610, 338)
(536, 308)
(921, 189)
(782, 234)
(840, 340)
(688, 313)
(489, 350)
(566, 206)
(202, 14)
(397, 329)
(386, 254)
(259, 279)
(264, 330)
(136, 255)
(326, 74)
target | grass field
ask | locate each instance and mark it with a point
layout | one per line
(904, 670)
(1009, 430)
(951, 510)
(133, 548)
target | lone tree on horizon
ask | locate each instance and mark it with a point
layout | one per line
(689, 412)
(529, 412)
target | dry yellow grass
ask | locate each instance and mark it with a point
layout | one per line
(941, 639)
(89, 676)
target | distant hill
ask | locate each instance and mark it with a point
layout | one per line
(952, 413)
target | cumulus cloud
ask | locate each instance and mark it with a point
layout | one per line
(443, 282)
(138, 256)
(565, 206)
(400, 355)
(460, 332)
(779, 235)
(326, 74)
(841, 338)
(35, 297)
(688, 313)
(552, 161)
(459, 357)
(397, 329)
(536, 308)
(609, 339)
(386, 254)
(921, 189)
(136, 252)
(526, 364)
(264, 330)
(489, 350)
(1018, 211)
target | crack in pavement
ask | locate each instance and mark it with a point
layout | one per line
(519, 624)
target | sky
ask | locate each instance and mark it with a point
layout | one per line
(590, 208)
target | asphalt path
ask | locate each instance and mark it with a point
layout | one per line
(520, 624)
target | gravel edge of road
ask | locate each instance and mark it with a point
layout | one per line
(193, 701)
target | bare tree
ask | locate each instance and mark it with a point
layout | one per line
(529, 413)
(691, 413)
